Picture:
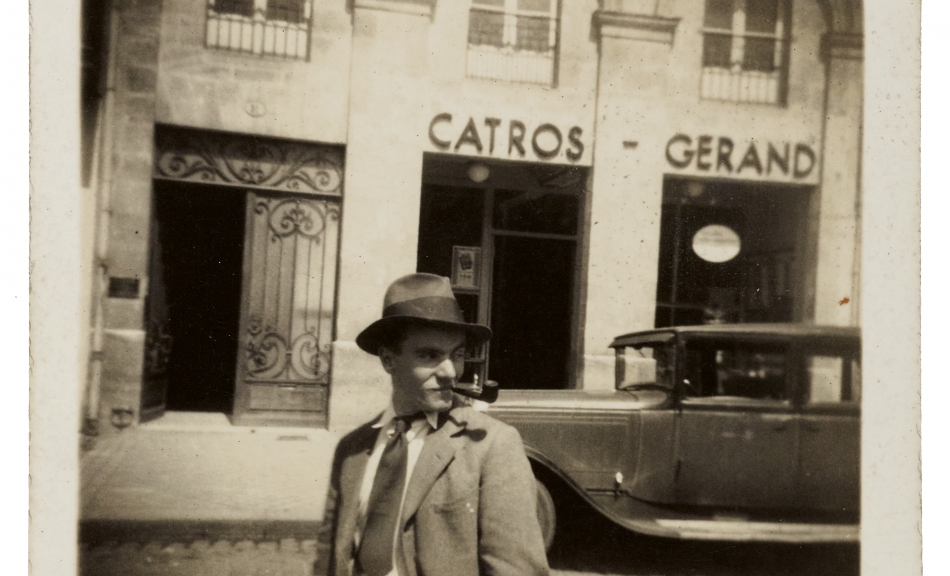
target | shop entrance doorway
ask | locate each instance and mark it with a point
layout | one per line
(732, 252)
(201, 236)
(240, 304)
(242, 278)
(508, 236)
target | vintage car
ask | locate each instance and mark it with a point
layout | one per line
(722, 432)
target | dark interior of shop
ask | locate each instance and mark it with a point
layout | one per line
(524, 219)
(763, 282)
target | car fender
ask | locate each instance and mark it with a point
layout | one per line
(645, 525)
(628, 512)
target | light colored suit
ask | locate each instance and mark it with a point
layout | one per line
(469, 508)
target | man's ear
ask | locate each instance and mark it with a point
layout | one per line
(386, 358)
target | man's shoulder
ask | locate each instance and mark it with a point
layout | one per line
(477, 420)
(360, 435)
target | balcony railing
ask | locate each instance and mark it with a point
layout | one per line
(513, 47)
(256, 34)
(742, 85)
(510, 65)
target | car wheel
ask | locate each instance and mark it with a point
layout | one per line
(547, 516)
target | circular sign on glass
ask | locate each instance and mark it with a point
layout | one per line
(716, 243)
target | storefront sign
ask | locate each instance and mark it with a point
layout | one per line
(466, 267)
(720, 155)
(505, 139)
(716, 243)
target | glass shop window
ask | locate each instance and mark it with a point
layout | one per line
(745, 50)
(755, 372)
(263, 27)
(513, 40)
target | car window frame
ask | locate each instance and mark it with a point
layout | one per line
(849, 352)
(667, 343)
(740, 403)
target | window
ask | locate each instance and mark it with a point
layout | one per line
(513, 40)
(832, 379)
(745, 50)
(734, 370)
(272, 27)
(644, 365)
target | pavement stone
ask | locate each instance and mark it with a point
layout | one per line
(199, 558)
(191, 475)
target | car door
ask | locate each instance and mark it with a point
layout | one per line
(829, 463)
(737, 428)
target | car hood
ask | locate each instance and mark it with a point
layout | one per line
(578, 400)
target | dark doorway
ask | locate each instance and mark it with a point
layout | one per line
(202, 242)
(520, 227)
(531, 312)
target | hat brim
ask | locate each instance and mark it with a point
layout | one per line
(370, 339)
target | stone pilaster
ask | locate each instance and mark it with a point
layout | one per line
(627, 185)
(838, 202)
(133, 84)
(383, 185)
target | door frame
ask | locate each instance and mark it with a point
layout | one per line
(157, 345)
(488, 232)
(250, 165)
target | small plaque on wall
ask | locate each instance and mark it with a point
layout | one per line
(466, 268)
(123, 287)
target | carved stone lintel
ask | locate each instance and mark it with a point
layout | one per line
(845, 46)
(629, 26)
(248, 162)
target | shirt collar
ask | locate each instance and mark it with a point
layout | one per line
(389, 414)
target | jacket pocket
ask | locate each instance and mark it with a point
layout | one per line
(463, 500)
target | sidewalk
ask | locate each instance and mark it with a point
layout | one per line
(191, 476)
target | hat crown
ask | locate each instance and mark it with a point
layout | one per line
(424, 299)
(415, 286)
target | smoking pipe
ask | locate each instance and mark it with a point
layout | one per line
(487, 393)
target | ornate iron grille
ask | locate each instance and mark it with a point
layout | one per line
(258, 162)
(290, 295)
(265, 27)
(745, 51)
(513, 40)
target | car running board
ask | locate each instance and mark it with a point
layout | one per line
(619, 510)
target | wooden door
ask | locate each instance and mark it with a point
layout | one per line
(287, 309)
(158, 340)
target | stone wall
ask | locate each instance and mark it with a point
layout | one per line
(134, 85)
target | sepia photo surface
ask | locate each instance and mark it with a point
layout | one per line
(665, 211)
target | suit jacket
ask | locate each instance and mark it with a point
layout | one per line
(469, 508)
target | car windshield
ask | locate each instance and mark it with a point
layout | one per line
(645, 366)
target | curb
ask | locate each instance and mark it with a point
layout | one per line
(92, 532)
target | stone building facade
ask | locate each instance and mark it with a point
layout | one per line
(262, 169)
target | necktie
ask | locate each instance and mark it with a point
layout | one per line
(375, 556)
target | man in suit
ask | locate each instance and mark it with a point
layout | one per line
(430, 487)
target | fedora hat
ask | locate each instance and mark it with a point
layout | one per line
(420, 299)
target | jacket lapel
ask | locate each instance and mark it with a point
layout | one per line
(438, 450)
(352, 470)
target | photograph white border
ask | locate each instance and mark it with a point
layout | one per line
(890, 296)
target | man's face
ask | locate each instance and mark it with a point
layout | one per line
(425, 369)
